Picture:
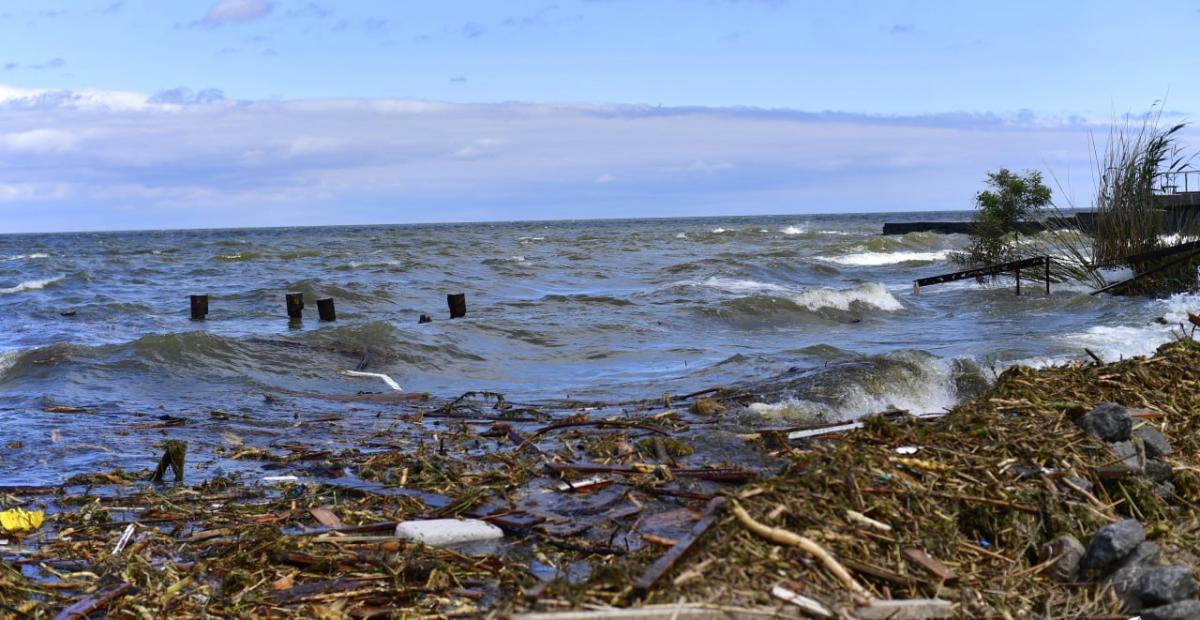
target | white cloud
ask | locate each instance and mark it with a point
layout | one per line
(38, 141)
(228, 11)
(226, 161)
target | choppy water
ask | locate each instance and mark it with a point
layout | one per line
(599, 309)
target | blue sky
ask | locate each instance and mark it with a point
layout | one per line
(254, 112)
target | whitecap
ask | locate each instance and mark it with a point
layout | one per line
(794, 230)
(738, 286)
(871, 294)
(717, 231)
(32, 256)
(924, 385)
(681, 235)
(30, 285)
(875, 259)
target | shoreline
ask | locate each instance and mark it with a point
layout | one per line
(961, 518)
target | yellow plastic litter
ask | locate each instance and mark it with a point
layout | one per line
(17, 520)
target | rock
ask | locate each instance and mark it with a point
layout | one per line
(1157, 471)
(1109, 421)
(1111, 544)
(1124, 581)
(1163, 585)
(1156, 443)
(1067, 566)
(1127, 453)
(707, 406)
(1165, 489)
(1183, 610)
(442, 532)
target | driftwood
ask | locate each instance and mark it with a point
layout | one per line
(784, 537)
(93, 603)
(681, 547)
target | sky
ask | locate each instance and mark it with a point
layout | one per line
(214, 113)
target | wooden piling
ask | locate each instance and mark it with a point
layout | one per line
(1018, 282)
(295, 305)
(199, 307)
(458, 305)
(425, 318)
(1048, 275)
(325, 309)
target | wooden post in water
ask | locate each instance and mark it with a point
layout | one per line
(325, 309)
(458, 304)
(425, 318)
(295, 305)
(1047, 275)
(199, 307)
(1018, 282)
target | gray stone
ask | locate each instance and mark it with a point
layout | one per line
(1109, 421)
(1183, 610)
(1163, 585)
(1156, 443)
(1068, 550)
(1158, 471)
(1165, 489)
(1124, 581)
(1127, 454)
(1111, 544)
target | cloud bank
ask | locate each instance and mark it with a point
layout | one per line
(183, 158)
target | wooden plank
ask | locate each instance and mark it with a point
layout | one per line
(990, 270)
(664, 563)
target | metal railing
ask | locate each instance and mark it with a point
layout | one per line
(1181, 182)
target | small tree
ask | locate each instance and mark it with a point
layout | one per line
(1012, 198)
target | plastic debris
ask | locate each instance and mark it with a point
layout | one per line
(18, 520)
(443, 532)
(375, 375)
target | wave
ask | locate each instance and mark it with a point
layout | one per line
(238, 256)
(588, 299)
(794, 230)
(871, 294)
(31, 285)
(33, 256)
(874, 259)
(913, 381)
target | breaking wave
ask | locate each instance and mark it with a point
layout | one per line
(913, 381)
(31, 285)
(874, 259)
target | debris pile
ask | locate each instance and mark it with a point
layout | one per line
(1067, 491)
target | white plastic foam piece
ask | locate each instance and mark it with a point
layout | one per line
(907, 450)
(442, 532)
(375, 375)
(280, 479)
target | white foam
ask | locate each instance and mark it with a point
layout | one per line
(7, 360)
(681, 235)
(516, 259)
(794, 230)
(926, 386)
(30, 285)
(739, 287)
(872, 259)
(871, 294)
(35, 255)
(717, 231)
